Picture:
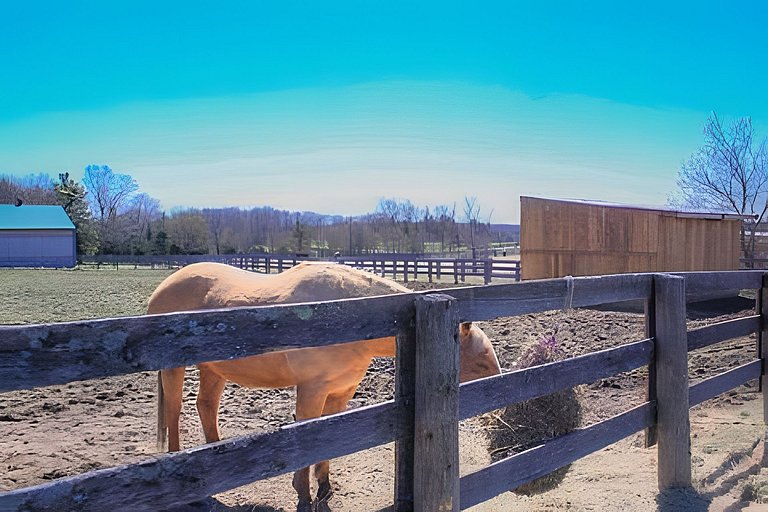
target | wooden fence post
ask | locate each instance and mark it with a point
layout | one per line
(651, 433)
(761, 308)
(405, 388)
(487, 270)
(762, 340)
(671, 355)
(436, 415)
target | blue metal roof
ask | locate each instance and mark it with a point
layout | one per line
(34, 217)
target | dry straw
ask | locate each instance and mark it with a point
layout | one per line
(522, 426)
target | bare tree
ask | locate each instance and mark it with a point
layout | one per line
(471, 214)
(729, 172)
(299, 232)
(30, 189)
(109, 191)
(214, 216)
(141, 213)
(445, 217)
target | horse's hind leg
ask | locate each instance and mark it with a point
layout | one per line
(310, 400)
(208, 398)
(172, 380)
(336, 402)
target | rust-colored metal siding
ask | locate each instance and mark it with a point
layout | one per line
(560, 238)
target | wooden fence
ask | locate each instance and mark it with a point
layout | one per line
(396, 266)
(457, 269)
(428, 401)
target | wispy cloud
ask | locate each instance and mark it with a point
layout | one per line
(338, 150)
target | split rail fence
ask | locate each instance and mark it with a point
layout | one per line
(423, 417)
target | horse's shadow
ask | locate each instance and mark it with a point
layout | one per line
(214, 505)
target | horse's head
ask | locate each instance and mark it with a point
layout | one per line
(477, 356)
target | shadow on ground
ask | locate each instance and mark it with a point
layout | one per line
(214, 505)
(677, 500)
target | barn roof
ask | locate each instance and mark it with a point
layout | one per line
(692, 214)
(34, 217)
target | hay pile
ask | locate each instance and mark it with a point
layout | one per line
(522, 426)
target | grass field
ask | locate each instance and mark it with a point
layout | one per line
(43, 296)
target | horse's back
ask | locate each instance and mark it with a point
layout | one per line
(205, 286)
(319, 281)
(215, 285)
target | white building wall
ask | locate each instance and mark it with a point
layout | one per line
(37, 248)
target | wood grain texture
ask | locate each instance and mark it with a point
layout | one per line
(674, 431)
(174, 479)
(763, 342)
(405, 390)
(531, 464)
(559, 238)
(713, 386)
(699, 282)
(722, 331)
(491, 393)
(651, 434)
(489, 302)
(42, 355)
(436, 423)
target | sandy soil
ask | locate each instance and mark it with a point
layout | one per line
(57, 431)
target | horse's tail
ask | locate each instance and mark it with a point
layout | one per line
(162, 423)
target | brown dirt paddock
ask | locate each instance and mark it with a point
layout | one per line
(57, 431)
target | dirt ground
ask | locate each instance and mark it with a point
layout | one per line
(57, 431)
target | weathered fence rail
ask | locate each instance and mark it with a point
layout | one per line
(37, 355)
(396, 266)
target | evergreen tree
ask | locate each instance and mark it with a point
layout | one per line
(71, 196)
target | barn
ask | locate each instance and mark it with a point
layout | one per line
(581, 238)
(36, 236)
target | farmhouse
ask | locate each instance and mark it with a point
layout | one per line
(36, 236)
(581, 238)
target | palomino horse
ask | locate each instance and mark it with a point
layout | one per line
(325, 377)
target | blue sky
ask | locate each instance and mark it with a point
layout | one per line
(330, 106)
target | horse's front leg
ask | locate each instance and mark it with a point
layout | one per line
(336, 402)
(309, 404)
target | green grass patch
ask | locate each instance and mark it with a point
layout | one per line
(45, 296)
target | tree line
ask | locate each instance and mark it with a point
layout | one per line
(113, 216)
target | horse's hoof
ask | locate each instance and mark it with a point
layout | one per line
(304, 506)
(322, 506)
(324, 493)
